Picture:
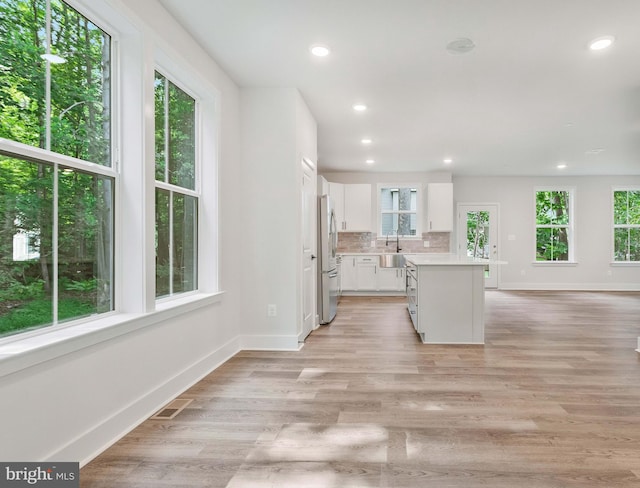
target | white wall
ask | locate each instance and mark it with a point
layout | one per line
(277, 132)
(306, 149)
(593, 229)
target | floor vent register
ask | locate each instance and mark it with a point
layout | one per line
(172, 409)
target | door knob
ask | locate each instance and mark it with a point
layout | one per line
(313, 256)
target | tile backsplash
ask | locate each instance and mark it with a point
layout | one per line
(362, 242)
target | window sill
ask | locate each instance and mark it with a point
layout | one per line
(624, 263)
(555, 263)
(19, 353)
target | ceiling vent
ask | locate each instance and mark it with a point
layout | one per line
(461, 45)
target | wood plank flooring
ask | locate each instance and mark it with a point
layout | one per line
(551, 401)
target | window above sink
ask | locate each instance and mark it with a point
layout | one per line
(399, 210)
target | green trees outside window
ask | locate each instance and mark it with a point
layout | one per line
(478, 234)
(626, 225)
(56, 238)
(553, 225)
(78, 57)
(176, 199)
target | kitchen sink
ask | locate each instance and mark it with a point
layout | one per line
(392, 260)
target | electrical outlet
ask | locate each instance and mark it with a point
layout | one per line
(272, 310)
(426, 243)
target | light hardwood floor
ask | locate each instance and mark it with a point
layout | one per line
(551, 401)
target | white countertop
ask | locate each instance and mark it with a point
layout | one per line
(438, 259)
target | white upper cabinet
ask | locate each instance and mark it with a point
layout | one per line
(439, 207)
(352, 205)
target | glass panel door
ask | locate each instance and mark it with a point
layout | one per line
(478, 236)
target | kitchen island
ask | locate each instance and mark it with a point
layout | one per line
(445, 295)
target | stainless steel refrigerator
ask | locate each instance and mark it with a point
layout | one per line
(328, 286)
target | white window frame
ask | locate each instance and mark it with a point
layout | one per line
(419, 213)
(620, 226)
(55, 160)
(136, 54)
(571, 226)
(173, 189)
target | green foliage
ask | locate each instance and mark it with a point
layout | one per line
(478, 234)
(19, 291)
(552, 208)
(38, 312)
(86, 285)
(80, 127)
(552, 225)
(175, 131)
(626, 235)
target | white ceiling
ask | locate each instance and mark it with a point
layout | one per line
(530, 95)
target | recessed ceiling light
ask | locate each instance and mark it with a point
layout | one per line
(447, 161)
(561, 166)
(319, 50)
(370, 161)
(601, 43)
(595, 150)
(359, 107)
(366, 141)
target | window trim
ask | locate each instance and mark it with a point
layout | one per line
(571, 226)
(47, 156)
(176, 189)
(136, 52)
(614, 226)
(419, 211)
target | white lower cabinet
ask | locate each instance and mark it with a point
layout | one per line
(446, 303)
(348, 276)
(362, 273)
(412, 295)
(367, 273)
(391, 279)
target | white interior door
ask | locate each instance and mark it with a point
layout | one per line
(478, 236)
(308, 258)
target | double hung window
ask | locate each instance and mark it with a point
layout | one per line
(57, 185)
(176, 236)
(554, 225)
(398, 211)
(626, 225)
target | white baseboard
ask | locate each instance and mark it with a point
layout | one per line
(570, 286)
(100, 437)
(373, 293)
(96, 440)
(269, 343)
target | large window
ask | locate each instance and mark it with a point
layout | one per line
(176, 196)
(56, 202)
(626, 225)
(398, 211)
(554, 220)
